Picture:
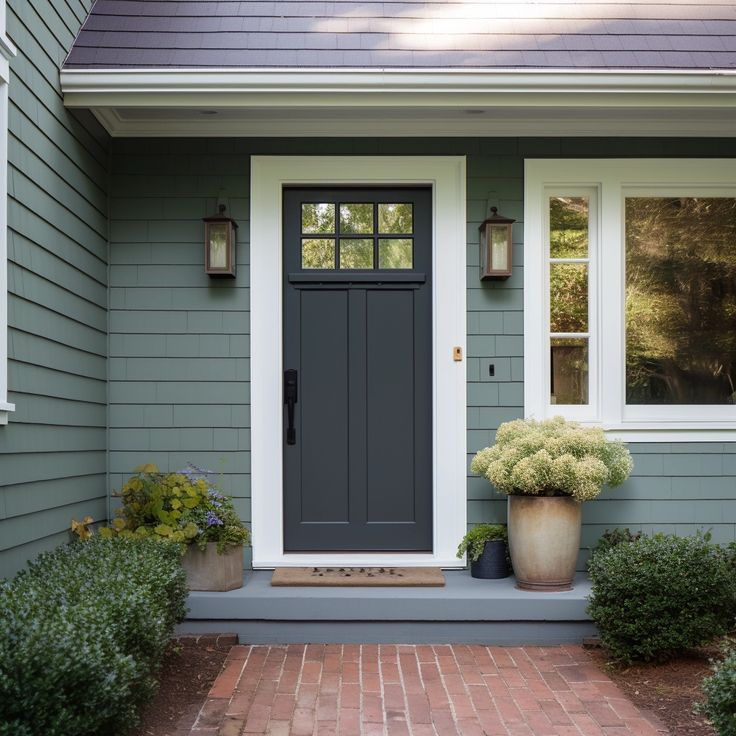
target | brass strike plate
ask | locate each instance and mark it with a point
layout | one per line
(457, 354)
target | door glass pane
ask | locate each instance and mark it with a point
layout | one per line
(356, 253)
(318, 217)
(395, 253)
(680, 300)
(568, 297)
(356, 219)
(395, 218)
(318, 253)
(568, 227)
(569, 362)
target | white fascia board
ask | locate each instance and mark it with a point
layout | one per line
(415, 88)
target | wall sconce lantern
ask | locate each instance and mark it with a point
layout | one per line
(219, 244)
(495, 246)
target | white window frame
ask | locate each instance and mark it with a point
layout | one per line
(7, 52)
(611, 180)
(446, 176)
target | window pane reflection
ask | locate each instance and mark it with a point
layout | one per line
(318, 253)
(356, 218)
(395, 218)
(356, 253)
(568, 227)
(568, 297)
(395, 253)
(569, 363)
(318, 217)
(680, 300)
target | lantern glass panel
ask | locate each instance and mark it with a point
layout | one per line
(499, 248)
(218, 239)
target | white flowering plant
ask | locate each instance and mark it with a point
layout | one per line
(554, 457)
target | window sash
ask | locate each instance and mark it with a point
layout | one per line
(587, 411)
(612, 180)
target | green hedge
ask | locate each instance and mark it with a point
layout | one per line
(82, 632)
(653, 596)
(720, 689)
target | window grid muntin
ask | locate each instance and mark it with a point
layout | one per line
(337, 235)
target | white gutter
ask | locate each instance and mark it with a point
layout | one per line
(239, 88)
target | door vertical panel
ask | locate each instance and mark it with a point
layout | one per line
(390, 414)
(323, 421)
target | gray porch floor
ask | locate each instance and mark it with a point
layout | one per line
(465, 611)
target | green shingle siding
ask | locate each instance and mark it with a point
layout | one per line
(180, 344)
(53, 453)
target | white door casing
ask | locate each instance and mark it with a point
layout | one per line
(446, 176)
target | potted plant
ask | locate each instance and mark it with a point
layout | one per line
(547, 469)
(485, 546)
(186, 507)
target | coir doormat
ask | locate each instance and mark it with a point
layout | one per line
(370, 577)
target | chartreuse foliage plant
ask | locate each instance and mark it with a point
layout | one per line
(720, 691)
(554, 457)
(657, 595)
(82, 632)
(475, 540)
(183, 507)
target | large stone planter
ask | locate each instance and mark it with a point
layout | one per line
(544, 539)
(206, 570)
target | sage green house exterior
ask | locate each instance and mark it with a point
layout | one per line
(53, 452)
(121, 351)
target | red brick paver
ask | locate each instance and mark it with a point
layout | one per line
(388, 690)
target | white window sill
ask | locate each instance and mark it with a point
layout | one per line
(671, 431)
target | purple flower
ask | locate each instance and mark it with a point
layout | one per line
(193, 472)
(213, 519)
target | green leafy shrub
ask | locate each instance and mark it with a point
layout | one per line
(720, 691)
(613, 537)
(554, 457)
(183, 507)
(475, 540)
(82, 632)
(661, 594)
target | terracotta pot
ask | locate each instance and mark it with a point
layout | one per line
(206, 570)
(544, 539)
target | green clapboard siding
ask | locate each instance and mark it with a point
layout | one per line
(179, 347)
(53, 451)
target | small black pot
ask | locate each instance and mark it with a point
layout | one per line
(492, 563)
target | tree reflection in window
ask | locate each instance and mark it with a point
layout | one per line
(680, 300)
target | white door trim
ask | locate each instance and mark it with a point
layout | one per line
(446, 176)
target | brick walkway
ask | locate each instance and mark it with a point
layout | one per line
(389, 690)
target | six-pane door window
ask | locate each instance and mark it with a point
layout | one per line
(357, 235)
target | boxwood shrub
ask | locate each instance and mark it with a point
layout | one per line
(82, 632)
(657, 595)
(720, 691)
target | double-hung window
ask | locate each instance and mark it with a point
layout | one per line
(630, 294)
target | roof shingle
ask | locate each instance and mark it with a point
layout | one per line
(532, 34)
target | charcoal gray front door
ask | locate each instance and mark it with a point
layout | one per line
(357, 370)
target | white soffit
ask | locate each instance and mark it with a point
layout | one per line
(345, 102)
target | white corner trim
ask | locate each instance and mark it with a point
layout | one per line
(5, 407)
(446, 176)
